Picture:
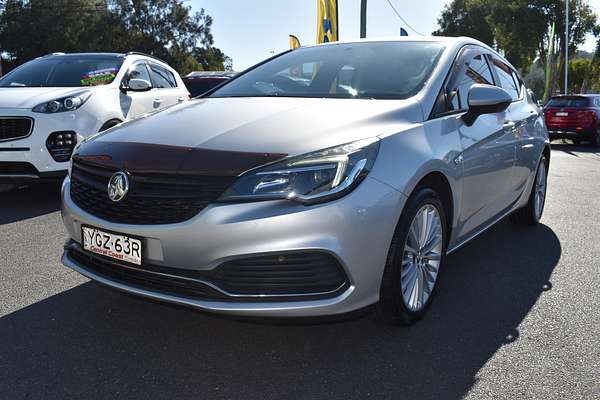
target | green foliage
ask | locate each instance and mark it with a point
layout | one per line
(164, 28)
(519, 28)
(466, 18)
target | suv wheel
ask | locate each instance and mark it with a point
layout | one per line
(416, 255)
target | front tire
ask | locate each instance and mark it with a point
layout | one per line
(532, 212)
(415, 258)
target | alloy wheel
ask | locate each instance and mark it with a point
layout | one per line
(421, 258)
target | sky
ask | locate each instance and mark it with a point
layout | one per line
(251, 30)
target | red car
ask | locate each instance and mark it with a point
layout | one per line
(574, 117)
(201, 82)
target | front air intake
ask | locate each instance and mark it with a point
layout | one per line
(61, 144)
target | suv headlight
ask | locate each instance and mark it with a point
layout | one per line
(69, 103)
(311, 178)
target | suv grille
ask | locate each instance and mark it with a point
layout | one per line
(15, 128)
(152, 198)
(11, 167)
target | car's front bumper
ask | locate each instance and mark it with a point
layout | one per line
(32, 150)
(356, 229)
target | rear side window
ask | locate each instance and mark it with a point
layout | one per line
(161, 77)
(568, 102)
(470, 69)
(507, 78)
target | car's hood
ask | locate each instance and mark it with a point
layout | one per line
(227, 136)
(29, 97)
(268, 125)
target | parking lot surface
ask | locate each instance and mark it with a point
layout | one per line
(517, 316)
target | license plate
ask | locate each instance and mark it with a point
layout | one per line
(562, 114)
(113, 245)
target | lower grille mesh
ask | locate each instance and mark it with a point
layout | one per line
(279, 276)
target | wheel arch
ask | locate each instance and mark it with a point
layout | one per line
(546, 153)
(110, 123)
(437, 181)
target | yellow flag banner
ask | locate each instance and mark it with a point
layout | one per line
(327, 21)
(294, 42)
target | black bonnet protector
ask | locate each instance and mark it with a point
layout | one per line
(144, 158)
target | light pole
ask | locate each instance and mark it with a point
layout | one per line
(566, 47)
(363, 18)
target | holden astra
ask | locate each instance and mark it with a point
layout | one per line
(320, 182)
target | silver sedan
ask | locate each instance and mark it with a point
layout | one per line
(318, 183)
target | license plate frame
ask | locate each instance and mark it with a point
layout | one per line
(136, 245)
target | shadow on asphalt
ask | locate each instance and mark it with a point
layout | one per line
(573, 149)
(92, 343)
(29, 202)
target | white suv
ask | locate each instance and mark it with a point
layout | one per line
(49, 104)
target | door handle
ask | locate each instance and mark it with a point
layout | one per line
(181, 99)
(509, 125)
(158, 101)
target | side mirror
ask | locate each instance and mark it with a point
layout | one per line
(485, 99)
(139, 85)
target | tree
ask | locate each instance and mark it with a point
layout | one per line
(466, 18)
(520, 28)
(164, 28)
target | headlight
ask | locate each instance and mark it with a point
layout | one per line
(311, 178)
(63, 104)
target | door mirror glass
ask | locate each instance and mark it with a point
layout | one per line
(485, 99)
(139, 85)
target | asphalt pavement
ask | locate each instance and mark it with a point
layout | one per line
(517, 316)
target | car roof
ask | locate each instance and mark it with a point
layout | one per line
(457, 41)
(558, 96)
(105, 54)
(211, 74)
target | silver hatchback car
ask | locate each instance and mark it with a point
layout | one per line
(317, 183)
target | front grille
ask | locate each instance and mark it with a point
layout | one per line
(15, 128)
(152, 198)
(142, 279)
(281, 274)
(10, 167)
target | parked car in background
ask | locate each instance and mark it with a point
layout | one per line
(281, 199)
(200, 82)
(51, 103)
(574, 117)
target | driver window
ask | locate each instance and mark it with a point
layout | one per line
(139, 71)
(471, 68)
(470, 71)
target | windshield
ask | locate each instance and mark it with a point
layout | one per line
(65, 71)
(374, 70)
(568, 102)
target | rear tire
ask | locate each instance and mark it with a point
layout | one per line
(532, 212)
(414, 260)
